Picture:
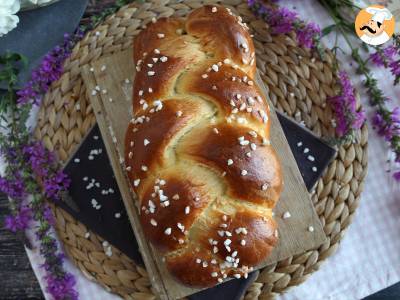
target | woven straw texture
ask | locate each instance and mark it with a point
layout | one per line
(298, 84)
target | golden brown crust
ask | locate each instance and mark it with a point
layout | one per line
(252, 238)
(193, 268)
(259, 235)
(175, 215)
(197, 149)
(224, 35)
(214, 150)
(146, 140)
(232, 90)
(147, 88)
(148, 40)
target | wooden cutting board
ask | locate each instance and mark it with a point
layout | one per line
(113, 77)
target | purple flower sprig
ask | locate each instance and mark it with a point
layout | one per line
(31, 169)
(37, 171)
(387, 124)
(388, 57)
(48, 71)
(13, 187)
(19, 220)
(385, 121)
(348, 119)
(40, 160)
(281, 20)
(383, 56)
(59, 283)
(32, 172)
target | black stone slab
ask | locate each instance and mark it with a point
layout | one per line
(103, 221)
(300, 139)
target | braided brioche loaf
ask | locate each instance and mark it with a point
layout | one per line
(197, 150)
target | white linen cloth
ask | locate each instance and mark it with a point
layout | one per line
(368, 258)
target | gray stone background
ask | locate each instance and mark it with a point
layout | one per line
(41, 29)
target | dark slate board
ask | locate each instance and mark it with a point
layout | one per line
(40, 30)
(318, 149)
(231, 290)
(118, 232)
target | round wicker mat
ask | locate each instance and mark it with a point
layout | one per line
(298, 85)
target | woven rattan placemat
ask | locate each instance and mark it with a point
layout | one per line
(298, 84)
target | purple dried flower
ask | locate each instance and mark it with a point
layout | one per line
(390, 52)
(281, 20)
(49, 71)
(379, 123)
(387, 125)
(377, 59)
(395, 67)
(385, 56)
(13, 187)
(282, 28)
(395, 115)
(28, 94)
(10, 153)
(58, 257)
(61, 288)
(340, 115)
(41, 161)
(55, 184)
(48, 215)
(19, 221)
(396, 175)
(359, 119)
(344, 107)
(32, 167)
(306, 36)
(39, 158)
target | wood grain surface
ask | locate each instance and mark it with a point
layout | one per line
(17, 278)
(115, 82)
